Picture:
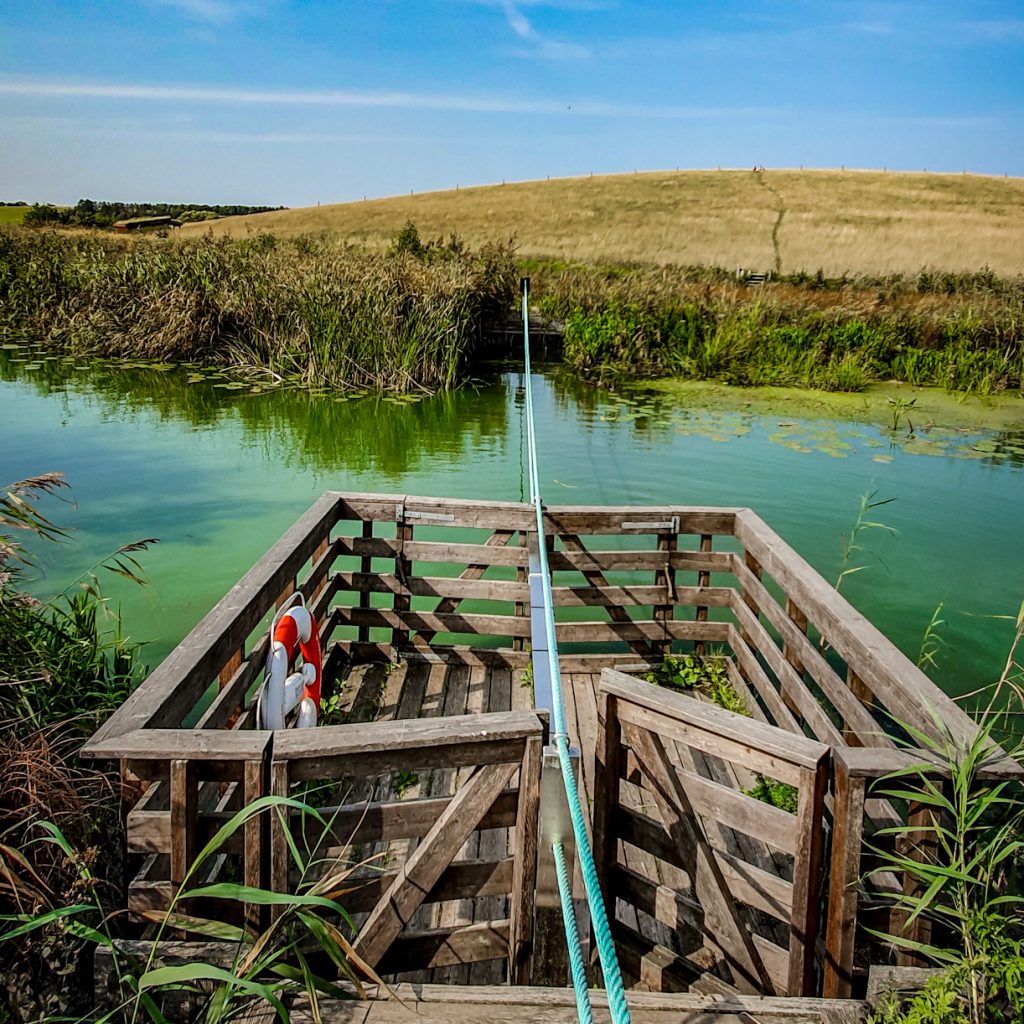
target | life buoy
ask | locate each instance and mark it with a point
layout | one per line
(293, 631)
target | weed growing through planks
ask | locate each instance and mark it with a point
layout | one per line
(710, 676)
(403, 781)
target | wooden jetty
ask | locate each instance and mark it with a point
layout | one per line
(435, 762)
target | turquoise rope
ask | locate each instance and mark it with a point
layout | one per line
(572, 938)
(598, 914)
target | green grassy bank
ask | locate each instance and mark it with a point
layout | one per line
(963, 332)
(323, 314)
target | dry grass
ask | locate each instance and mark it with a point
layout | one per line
(857, 222)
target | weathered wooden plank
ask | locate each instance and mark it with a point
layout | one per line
(807, 866)
(173, 688)
(711, 729)
(376, 747)
(464, 512)
(709, 885)
(614, 560)
(903, 687)
(640, 629)
(461, 879)
(598, 519)
(422, 870)
(844, 879)
(731, 807)
(446, 947)
(452, 589)
(207, 745)
(607, 560)
(806, 653)
(404, 620)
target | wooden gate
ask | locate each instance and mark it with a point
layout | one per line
(731, 882)
(420, 905)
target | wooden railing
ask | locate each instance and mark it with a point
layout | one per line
(438, 579)
(734, 876)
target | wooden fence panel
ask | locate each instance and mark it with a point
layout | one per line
(760, 920)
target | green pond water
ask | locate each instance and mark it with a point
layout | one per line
(217, 469)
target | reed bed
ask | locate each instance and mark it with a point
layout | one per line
(963, 332)
(323, 314)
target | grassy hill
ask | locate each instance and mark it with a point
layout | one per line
(840, 221)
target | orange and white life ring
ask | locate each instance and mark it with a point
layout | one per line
(293, 632)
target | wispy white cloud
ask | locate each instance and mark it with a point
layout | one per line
(214, 12)
(344, 98)
(1007, 30)
(539, 45)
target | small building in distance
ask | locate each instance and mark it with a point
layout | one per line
(146, 224)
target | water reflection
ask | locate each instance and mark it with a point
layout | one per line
(322, 431)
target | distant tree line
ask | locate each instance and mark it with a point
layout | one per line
(91, 214)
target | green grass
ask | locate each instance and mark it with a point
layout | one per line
(12, 215)
(960, 332)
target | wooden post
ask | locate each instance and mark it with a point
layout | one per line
(403, 569)
(863, 693)
(703, 580)
(253, 868)
(365, 567)
(607, 763)
(524, 868)
(184, 797)
(234, 663)
(278, 858)
(522, 607)
(789, 653)
(844, 880)
(918, 844)
(666, 577)
(806, 879)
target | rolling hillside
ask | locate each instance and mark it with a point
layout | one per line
(840, 221)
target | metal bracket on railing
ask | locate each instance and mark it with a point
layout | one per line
(671, 525)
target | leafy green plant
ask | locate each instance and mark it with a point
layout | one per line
(778, 794)
(959, 866)
(932, 642)
(264, 967)
(900, 407)
(403, 781)
(853, 543)
(711, 676)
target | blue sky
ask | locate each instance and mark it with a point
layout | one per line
(292, 102)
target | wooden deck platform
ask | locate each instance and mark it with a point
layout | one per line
(429, 754)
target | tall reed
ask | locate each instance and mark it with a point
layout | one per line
(838, 335)
(324, 314)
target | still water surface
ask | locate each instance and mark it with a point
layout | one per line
(218, 471)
